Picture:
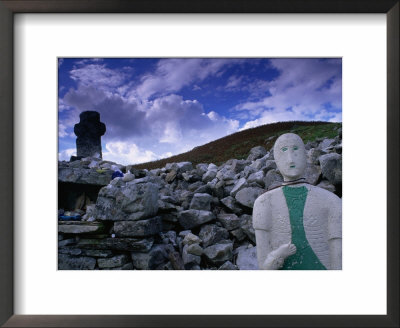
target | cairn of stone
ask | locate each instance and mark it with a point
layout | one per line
(181, 216)
(89, 131)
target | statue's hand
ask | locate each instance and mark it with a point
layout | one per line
(286, 250)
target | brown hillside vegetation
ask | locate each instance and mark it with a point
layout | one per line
(239, 144)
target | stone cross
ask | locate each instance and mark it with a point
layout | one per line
(89, 131)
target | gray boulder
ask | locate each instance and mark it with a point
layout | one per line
(247, 258)
(80, 227)
(229, 221)
(219, 253)
(331, 166)
(211, 234)
(326, 185)
(66, 262)
(151, 260)
(240, 184)
(248, 196)
(113, 262)
(231, 204)
(117, 244)
(201, 202)
(256, 153)
(209, 176)
(132, 202)
(193, 218)
(140, 228)
(312, 173)
(257, 177)
(272, 178)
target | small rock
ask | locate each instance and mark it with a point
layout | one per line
(229, 221)
(191, 239)
(326, 185)
(247, 258)
(228, 265)
(113, 262)
(331, 166)
(256, 152)
(193, 218)
(248, 196)
(201, 202)
(219, 253)
(211, 234)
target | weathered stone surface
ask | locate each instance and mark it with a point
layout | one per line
(231, 204)
(140, 228)
(238, 166)
(149, 261)
(195, 249)
(188, 257)
(229, 221)
(127, 266)
(70, 251)
(257, 177)
(247, 258)
(256, 152)
(201, 202)
(171, 175)
(66, 262)
(84, 176)
(135, 201)
(240, 184)
(118, 244)
(272, 177)
(112, 262)
(191, 239)
(313, 154)
(312, 173)
(326, 143)
(247, 196)
(89, 131)
(326, 185)
(193, 218)
(331, 166)
(219, 253)
(211, 234)
(269, 165)
(179, 167)
(247, 226)
(209, 176)
(228, 265)
(238, 234)
(80, 227)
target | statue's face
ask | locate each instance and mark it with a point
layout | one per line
(290, 156)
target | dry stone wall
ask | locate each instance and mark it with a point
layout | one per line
(180, 216)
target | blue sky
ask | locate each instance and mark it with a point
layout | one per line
(155, 108)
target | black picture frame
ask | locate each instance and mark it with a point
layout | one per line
(10, 7)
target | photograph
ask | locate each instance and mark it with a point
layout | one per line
(199, 163)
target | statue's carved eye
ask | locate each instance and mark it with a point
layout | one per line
(284, 148)
(295, 148)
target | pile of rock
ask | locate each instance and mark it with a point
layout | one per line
(183, 216)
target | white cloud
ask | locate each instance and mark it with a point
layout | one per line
(66, 154)
(171, 75)
(127, 153)
(304, 90)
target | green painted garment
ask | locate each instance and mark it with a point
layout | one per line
(304, 258)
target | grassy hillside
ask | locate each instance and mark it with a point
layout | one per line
(238, 145)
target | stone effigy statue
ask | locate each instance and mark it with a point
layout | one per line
(298, 226)
(89, 131)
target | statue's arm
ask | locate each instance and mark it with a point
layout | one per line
(266, 258)
(335, 234)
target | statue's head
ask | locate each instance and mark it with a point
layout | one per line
(290, 156)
